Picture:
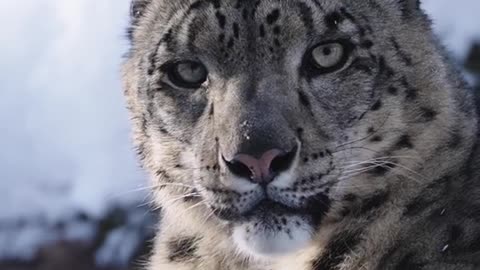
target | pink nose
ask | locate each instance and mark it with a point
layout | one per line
(262, 170)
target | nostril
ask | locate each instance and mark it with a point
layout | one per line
(239, 169)
(282, 162)
(263, 170)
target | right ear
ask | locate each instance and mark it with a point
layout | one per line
(409, 7)
(137, 9)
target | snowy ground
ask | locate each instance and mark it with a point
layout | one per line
(66, 157)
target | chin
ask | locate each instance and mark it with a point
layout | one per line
(264, 241)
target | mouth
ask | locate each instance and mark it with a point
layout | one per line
(267, 207)
(315, 208)
(261, 212)
(273, 229)
(273, 224)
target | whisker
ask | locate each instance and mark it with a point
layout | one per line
(175, 199)
(354, 148)
(132, 191)
(195, 205)
(355, 172)
(174, 185)
(406, 168)
(362, 170)
(355, 163)
(208, 217)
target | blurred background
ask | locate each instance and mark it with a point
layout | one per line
(71, 193)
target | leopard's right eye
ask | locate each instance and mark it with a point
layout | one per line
(187, 74)
(327, 57)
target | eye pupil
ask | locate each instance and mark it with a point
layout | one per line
(327, 51)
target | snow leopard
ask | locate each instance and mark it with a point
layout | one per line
(303, 135)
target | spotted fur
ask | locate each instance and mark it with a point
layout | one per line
(386, 161)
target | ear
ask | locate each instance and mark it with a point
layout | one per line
(137, 9)
(409, 7)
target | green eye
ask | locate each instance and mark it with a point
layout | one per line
(188, 74)
(328, 57)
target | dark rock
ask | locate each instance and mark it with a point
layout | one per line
(472, 62)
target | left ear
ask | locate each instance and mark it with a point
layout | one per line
(409, 7)
(137, 8)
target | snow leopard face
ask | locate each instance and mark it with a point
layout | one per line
(277, 118)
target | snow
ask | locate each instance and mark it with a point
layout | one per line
(122, 243)
(65, 136)
(23, 245)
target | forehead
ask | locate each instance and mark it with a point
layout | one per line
(221, 29)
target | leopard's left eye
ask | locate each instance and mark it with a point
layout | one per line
(329, 57)
(187, 74)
